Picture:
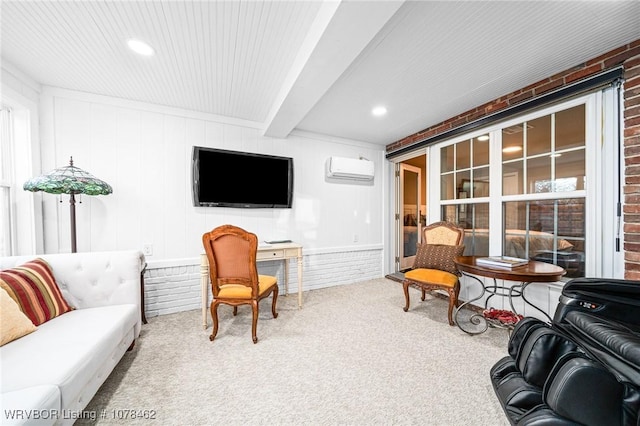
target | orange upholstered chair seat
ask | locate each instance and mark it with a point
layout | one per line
(239, 291)
(434, 276)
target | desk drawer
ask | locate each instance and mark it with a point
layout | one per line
(269, 254)
(292, 252)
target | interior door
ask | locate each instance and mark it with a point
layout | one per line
(409, 223)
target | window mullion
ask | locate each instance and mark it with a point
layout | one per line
(495, 194)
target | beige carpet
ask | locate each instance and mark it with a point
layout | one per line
(350, 356)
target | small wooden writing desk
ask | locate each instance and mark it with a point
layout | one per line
(533, 271)
(282, 251)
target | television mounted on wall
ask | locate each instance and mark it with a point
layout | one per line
(223, 178)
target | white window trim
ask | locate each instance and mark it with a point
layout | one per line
(608, 180)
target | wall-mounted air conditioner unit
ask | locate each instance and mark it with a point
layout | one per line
(350, 168)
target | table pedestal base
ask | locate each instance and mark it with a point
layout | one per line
(477, 323)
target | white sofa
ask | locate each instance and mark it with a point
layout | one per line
(50, 375)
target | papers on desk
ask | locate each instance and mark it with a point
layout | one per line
(277, 242)
(501, 261)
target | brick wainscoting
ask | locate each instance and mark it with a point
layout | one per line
(175, 287)
(629, 57)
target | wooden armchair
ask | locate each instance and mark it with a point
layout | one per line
(231, 252)
(434, 267)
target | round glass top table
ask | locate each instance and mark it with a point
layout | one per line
(533, 271)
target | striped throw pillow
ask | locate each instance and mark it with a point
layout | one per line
(35, 290)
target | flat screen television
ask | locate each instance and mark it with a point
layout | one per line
(223, 178)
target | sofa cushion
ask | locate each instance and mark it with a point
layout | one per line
(88, 344)
(34, 288)
(13, 322)
(39, 405)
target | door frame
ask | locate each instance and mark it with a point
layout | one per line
(402, 261)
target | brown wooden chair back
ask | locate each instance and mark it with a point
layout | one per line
(232, 257)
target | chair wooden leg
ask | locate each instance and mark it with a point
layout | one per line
(424, 294)
(254, 323)
(235, 311)
(405, 287)
(214, 318)
(453, 302)
(273, 303)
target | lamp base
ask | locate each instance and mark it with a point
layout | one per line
(72, 214)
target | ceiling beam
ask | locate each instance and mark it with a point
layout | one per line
(324, 56)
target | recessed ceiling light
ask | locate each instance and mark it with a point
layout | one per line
(511, 149)
(140, 47)
(379, 111)
(483, 138)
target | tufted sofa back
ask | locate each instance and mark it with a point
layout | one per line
(93, 279)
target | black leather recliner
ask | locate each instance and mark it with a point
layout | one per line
(583, 368)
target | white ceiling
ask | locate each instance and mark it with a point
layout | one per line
(312, 65)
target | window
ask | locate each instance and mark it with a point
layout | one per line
(465, 176)
(6, 137)
(21, 227)
(546, 154)
(17, 224)
(550, 231)
(474, 219)
(465, 169)
(520, 188)
(542, 156)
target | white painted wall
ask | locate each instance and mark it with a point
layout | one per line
(144, 152)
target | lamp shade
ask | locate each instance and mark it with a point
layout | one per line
(68, 180)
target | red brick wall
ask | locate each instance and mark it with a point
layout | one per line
(631, 209)
(627, 55)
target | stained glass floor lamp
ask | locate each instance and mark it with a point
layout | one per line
(69, 180)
